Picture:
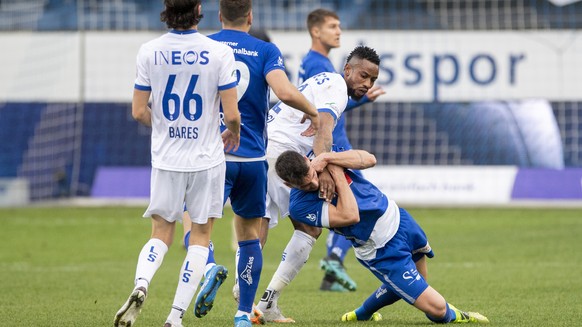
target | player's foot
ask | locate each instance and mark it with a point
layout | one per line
(242, 321)
(331, 285)
(131, 308)
(274, 315)
(464, 317)
(257, 316)
(351, 316)
(205, 299)
(172, 324)
(336, 269)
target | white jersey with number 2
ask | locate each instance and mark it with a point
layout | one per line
(328, 93)
(184, 70)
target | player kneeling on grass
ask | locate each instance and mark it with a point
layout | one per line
(385, 238)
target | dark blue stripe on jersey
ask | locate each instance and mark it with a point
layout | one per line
(328, 111)
(142, 87)
(227, 86)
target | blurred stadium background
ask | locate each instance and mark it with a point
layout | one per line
(471, 85)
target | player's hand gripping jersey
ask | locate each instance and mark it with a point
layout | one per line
(327, 91)
(184, 84)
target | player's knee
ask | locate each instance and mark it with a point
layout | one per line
(309, 230)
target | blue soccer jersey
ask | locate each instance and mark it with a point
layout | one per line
(308, 208)
(254, 60)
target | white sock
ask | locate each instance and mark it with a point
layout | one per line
(190, 276)
(296, 254)
(149, 260)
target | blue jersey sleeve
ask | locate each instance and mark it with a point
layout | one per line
(274, 59)
(306, 207)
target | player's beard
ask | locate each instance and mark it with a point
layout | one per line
(354, 96)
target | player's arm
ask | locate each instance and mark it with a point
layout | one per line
(322, 143)
(351, 159)
(345, 212)
(231, 136)
(140, 110)
(289, 94)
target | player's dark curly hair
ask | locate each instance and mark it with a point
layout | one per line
(291, 167)
(364, 52)
(181, 14)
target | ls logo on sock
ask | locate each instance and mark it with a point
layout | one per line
(187, 272)
(152, 255)
(246, 274)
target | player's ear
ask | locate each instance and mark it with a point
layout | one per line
(220, 17)
(347, 69)
(288, 185)
(250, 18)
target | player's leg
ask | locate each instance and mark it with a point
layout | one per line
(405, 274)
(162, 205)
(248, 203)
(381, 297)
(204, 197)
(336, 278)
(294, 257)
(214, 275)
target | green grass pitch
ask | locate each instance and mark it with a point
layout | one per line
(62, 266)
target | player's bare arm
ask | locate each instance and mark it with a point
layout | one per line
(289, 94)
(140, 110)
(231, 136)
(345, 212)
(351, 159)
(322, 143)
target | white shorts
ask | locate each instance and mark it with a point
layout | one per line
(202, 192)
(277, 195)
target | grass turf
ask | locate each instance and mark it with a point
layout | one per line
(62, 266)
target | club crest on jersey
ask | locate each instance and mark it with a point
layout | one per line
(311, 217)
(178, 57)
(280, 62)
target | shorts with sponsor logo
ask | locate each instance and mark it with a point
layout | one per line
(246, 186)
(202, 192)
(394, 264)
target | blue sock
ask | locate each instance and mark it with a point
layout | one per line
(381, 297)
(210, 254)
(250, 265)
(187, 240)
(449, 316)
(339, 247)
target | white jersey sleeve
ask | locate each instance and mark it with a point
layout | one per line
(327, 91)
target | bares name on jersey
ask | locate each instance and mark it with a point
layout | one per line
(177, 57)
(183, 132)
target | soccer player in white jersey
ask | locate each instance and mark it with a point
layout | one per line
(329, 93)
(324, 29)
(259, 65)
(187, 76)
(386, 239)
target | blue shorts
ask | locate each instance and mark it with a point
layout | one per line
(246, 186)
(395, 265)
